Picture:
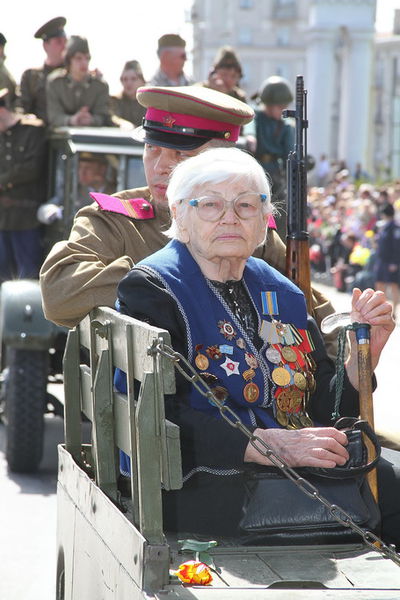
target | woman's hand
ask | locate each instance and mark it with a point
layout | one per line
(373, 308)
(309, 447)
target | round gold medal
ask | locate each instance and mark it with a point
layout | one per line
(282, 418)
(300, 381)
(311, 385)
(288, 354)
(305, 420)
(251, 392)
(201, 362)
(295, 422)
(280, 376)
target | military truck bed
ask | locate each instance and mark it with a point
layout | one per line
(116, 562)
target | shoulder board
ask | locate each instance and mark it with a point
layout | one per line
(31, 119)
(57, 74)
(271, 222)
(135, 208)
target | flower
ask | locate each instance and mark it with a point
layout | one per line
(194, 572)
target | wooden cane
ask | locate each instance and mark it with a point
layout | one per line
(362, 331)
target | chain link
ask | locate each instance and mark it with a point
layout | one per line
(338, 513)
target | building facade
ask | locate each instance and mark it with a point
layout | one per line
(352, 75)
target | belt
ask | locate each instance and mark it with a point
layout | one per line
(265, 158)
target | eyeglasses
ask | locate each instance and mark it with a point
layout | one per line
(212, 207)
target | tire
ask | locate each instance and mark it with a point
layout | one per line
(25, 398)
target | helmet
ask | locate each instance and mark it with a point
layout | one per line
(276, 90)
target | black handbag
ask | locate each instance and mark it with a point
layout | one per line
(277, 512)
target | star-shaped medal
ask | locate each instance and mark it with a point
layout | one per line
(231, 367)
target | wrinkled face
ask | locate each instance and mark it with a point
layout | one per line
(230, 236)
(79, 65)
(158, 164)
(131, 81)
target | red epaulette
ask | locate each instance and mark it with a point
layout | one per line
(136, 208)
(271, 222)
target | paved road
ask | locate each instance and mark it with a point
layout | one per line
(28, 503)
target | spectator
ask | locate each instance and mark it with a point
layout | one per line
(226, 73)
(125, 105)
(387, 263)
(22, 155)
(273, 139)
(74, 96)
(6, 79)
(33, 81)
(172, 56)
(322, 171)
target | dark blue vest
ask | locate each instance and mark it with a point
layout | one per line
(211, 325)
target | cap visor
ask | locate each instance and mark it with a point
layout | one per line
(168, 140)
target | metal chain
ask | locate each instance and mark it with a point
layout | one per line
(338, 513)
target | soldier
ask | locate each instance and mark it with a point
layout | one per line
(22, 154)
(6, 79)
(109, 237)
(125, 105)
(172, 55)
(33, 81)
(226, 73)
(74, 96)
(273, 139)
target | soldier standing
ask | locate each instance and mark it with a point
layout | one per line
(74, 96)
(6, 79)
(172, 55)
(273, 139)
(125, 105)
(22, 154)
(33, 81)
(226, 74)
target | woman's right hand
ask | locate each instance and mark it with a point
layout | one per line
(309, 447)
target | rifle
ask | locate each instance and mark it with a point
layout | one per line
(297, 248)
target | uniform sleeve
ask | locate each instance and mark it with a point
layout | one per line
(30, 168)
(83, 272)
(26, 99)
(100, 110)
(205, 441)
(57, 117)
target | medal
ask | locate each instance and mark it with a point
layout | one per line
(221, 393)
(305, 420)
(251, 360)
(289, 399)
(273, 355)
(288, 354)
(227, 329)
(300, 381)
(251, 392)
(282, 417)
(214, 352)
(295, 422)
(311, 385)
(226, 349)
(280, 376)
(241, 343)
(201, 360)
(231, 367)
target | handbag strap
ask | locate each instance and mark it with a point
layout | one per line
(352, 425)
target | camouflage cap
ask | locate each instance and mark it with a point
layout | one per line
(226, 59)
(188, 117)
(53, 28)
(171, 40)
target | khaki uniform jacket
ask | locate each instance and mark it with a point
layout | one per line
(7, 80)
(128, 109)
(66, 96)
(84, 271)
(22, 181)
(33, 91)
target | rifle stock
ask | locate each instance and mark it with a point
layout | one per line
(297, 246)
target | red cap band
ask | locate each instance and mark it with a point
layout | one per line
(169, 119)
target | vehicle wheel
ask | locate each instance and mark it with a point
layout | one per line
(25, 398)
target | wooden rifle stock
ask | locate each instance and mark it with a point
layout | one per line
(297, 247)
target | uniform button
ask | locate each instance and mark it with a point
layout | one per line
(8, 144)
(8, 157)
(21, 148)
(8, 132)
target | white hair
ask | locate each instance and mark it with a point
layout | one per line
(214, 165)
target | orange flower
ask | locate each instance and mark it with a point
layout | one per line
(194, 572)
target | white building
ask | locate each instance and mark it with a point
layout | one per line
(331, 42)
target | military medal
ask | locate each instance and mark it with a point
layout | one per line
(201, 360)
(251, 360)
(251, 392)
(311, 385)
(300, 380)
(288, 354)
(214, 352)
(273, 355)
(231, 367)
(221, 394)
(227, 329)
(269, 302)
(280, 376)
(282, 417)
(240, 343)
(305, 420)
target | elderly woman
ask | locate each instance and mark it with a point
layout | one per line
(244, 328)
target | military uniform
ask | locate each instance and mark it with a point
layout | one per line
(7, 80)
(66, 96)
(127, 108)
(22, 160)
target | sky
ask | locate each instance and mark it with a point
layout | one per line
(117, 31)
